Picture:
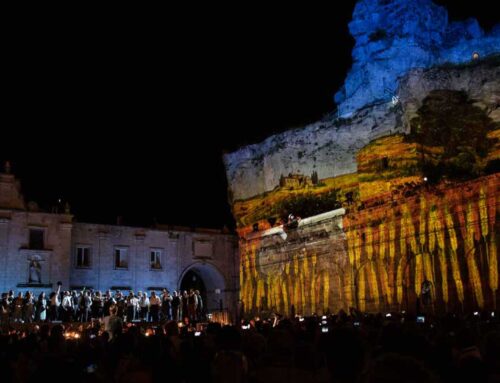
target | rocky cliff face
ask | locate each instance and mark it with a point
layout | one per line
(395, 36)
(419, 197)
(480, 79)
(329, 147)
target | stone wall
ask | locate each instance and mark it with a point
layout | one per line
(15, 254)
(296, 270)
(377, 259)
(211, 253)
(178, 254)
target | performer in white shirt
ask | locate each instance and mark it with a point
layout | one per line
(154, 307)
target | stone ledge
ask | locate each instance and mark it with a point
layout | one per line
(121, 288)
(35, 285)
(316, 219)
(156, 288)
(81, 287)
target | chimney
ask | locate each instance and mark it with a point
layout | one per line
(119, 220)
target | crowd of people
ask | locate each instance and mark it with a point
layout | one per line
(354, 347)
(85, 305)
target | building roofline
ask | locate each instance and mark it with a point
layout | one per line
(163, 228)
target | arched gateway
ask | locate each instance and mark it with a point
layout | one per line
(209, 280)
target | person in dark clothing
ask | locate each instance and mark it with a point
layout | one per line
(85, 306)
(166, 305)
(108, 302)
(192, 305)
(426, 292)
(76, 304)
(184, 305)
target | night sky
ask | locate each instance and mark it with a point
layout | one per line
(130, 117)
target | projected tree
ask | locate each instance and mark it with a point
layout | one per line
(453, 134)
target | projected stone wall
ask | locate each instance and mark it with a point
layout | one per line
(281, 267)
(400, 192)
(377, 258)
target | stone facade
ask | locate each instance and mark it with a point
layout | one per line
(39, 249)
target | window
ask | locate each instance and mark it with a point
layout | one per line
(83, 256)
(37, 239)
(155, 259)
(121, 258)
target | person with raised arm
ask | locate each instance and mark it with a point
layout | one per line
(55, 303)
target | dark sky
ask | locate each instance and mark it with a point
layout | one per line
(130, 116)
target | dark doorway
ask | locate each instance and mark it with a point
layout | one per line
(192, 280)
(211, 283)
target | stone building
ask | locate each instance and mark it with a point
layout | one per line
(39, 249)
(295, 181)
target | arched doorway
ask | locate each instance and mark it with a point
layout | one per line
(209, 281)
(193, 280)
